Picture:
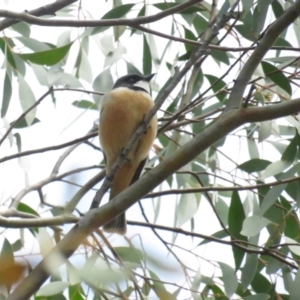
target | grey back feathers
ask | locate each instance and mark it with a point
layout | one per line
(135, 82)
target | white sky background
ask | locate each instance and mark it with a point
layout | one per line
(65, 122)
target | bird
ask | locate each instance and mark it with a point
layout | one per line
(121, 112)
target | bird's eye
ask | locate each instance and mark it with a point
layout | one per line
(131, 80)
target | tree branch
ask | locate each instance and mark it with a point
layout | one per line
(96, 23)
(291, 14)
(49, 9)
(37, 222)
(52, 148)
(24, 114)
(97, 217)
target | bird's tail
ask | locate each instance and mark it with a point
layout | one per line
(117, 225)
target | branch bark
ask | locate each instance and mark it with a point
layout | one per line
(30, 19)
(97, 217)
(49, 9)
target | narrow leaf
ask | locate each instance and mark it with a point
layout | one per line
(295, 287)
(254, 165)
(217, 85)
(271, 197)
(27, 99)
(236, 218)
(291, 150)
(85, 104)
(52, 288)
(276, 76)
(7, 91)
(249, 270)
(48, 57)
(258, 297)
(253, 225)
(229, 279)
(147, 59)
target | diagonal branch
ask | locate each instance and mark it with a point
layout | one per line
(100, 216)
(26, 17)
(256, 57)
(48, 9)
(24, 114)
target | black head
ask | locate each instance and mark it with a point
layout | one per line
(135, 82)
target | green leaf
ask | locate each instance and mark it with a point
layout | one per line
(291, 228)
(76, 292)
(291, 150)
(189, 10)
(236, 218)
(249, 270)
(220, 56)
(257, 297)
(27, 99)
(114, 56)
(282, 42)
(22, 28)
(259, 18)
(130, 254)
(275, 168)
(18, 141)
(276, 76)
(159, 288)
(17, 245)
(188, 34)
(85, 104)
(147, 59)
(294, 248)
(84, 70)
(102, 83)
(222, 210)
(271, 197)
(146, 288)
(27, 209)
(7, 254)
(48, 57)
(219, 234)
(118, 32)
(287, 277)
(7, 91)
(277, 9)
(7, 52)
(220, 84)
(118, 12)
(247, 5)
(273, 266)
(265, 130)
(200, 24)
(253, 225)
(23, 123)
(187, 208)
(260, 283)
(140, 14)
(229, 279)
(33, 44)
(295, 287)
(52, 288)
(254, 165)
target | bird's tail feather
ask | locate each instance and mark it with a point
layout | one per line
(117, 225)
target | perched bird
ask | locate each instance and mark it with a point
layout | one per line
(121, 112)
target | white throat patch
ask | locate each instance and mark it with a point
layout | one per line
(144, 85)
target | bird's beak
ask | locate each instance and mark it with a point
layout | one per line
(149, 77)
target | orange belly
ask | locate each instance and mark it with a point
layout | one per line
(122, 112)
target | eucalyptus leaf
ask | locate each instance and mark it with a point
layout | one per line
(253, 225)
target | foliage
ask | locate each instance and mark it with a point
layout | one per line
(223, 219)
